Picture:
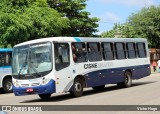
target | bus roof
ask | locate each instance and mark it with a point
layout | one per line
(82, 39)
(5, 49)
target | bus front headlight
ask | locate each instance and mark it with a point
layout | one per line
(45, 81)
(15, 83)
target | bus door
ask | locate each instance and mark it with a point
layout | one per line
(63, 74)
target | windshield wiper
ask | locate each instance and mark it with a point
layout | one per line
(34, 69)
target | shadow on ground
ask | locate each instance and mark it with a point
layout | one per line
(67, 96)
(2, 92)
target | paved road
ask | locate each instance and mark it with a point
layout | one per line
(145, 91)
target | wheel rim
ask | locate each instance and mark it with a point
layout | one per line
(127, 78)
(9, 86)
(78, 87)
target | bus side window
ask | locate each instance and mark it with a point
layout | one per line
(8, 58)
(79, 52)
(61, 54)
(141, 50)
(108, 51)
(94, 52)
(120, 51)
(131, 49)
(2, 59)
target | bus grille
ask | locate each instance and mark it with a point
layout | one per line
(34, 84)
(24, 85)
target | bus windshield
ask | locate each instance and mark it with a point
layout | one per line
(31, 61)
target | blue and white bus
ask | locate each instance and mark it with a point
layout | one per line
(5, 69)
(69, 64)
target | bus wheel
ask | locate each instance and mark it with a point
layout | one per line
(77, 87)
(97, 88)
(45, 96)
(127, 80)
(7, 85)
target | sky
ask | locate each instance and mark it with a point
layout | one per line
(115, 11)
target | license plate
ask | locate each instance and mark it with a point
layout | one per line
(29, 90)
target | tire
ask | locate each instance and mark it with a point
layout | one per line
(7, 85)
(45, 96)
(97, 88)
(77, 87)
(127, 80)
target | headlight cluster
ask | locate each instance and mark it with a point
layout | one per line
(15, 83)
(45, 81)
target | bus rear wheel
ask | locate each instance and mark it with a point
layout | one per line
(127, 80)
(7, 85)
(77, 87)
(97, 88)
(45, 96)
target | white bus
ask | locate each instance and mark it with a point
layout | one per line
(5, 69)
(69, 64)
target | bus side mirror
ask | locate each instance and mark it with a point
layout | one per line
(60, 51)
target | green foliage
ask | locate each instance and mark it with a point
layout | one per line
(46, 22)
(22, 20)
(80, 23)
(146, 24)
(117, 29)
(109, 33)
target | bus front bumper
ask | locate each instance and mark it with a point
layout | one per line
(49, 88)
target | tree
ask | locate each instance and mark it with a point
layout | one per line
(124, 31)
(146, 24)
(22, 20)
(128, 31)
(109, 33)
(117, 29)
(80, 23)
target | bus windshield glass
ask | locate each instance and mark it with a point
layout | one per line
(32, 61)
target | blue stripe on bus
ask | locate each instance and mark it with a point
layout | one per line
(5, 67)
(77, 39)
(115, 75)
